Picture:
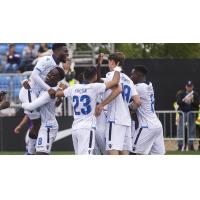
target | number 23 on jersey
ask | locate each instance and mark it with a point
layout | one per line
(82, 105)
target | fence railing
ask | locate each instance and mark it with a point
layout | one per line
(168, 120)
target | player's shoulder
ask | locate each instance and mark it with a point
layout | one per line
(111, 73)
(78, 87)
(146, 85)
(45, 59)
(125, 78)
(96, 84)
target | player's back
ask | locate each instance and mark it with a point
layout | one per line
(118, 110)
(146, 112)
(84, 97)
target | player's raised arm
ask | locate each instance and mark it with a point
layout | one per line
(63, 93)
(40, 101)
(99, 63)
(115, 92)
(114, 82)
(37, 72)
(136, 103)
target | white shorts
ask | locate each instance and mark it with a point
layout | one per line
(83, 141)
(28, 96)
(100, 142)
(46, 137)
(149, 141)
(118, 137)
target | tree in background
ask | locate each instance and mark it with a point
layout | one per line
(159, 50)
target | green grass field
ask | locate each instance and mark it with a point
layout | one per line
(72, 153)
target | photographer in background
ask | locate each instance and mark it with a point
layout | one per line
(3, 103)
(188, 100)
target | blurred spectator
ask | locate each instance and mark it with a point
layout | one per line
(188, 100)
(69, 72)
(80, 78)
(43, 49)
(71, 48)
(70, 80)
(30, 53)
(12, 60)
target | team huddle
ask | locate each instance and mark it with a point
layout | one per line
(113, 115)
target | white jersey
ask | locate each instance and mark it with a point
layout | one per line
(48, 112)
(118, 110)
(46, 106)
(44, 66)
(102, 118)
(146, 113)
(84, 98)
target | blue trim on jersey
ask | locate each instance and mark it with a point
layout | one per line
(38, 69)
(49, 126)
(144, 127)
(111, 121)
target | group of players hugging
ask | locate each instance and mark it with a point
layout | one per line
(113, 115)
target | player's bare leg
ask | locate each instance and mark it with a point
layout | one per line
(113, 152)
(33, 134)
(124, 153)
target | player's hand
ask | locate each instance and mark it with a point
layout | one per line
(4, 105)
(17, 130)
(100, 58)
(98, 110)
(52, 93)
(26, 85)
(62, 86)
(2, 95)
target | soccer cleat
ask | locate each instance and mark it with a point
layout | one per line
(27, 153)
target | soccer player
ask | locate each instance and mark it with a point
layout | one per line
(84, 98)
(46, 105)
(118, 128)
(3, 103)
(36, 84)
(148, 138)
(100, 139)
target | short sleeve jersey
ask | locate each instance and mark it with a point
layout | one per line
(83, 99)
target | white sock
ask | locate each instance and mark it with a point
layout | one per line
(31, 146)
